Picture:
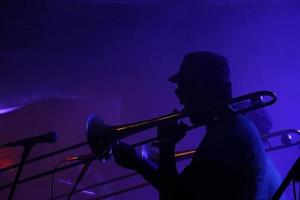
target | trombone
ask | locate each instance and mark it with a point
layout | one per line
(101, 137)
(288, 138)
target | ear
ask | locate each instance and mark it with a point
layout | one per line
(223, 92)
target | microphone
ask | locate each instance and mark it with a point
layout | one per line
(81, 157)
(28, 143)
(49, 137)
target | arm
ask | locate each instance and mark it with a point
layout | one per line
(167, 169)
(168, 134)
(127, 157)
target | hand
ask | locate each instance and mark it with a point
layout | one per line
(171, 132)
(126, 156)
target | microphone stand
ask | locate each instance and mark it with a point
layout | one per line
(26, 151)
(84, 169)
(293, 175)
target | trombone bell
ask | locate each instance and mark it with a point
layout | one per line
(99, 136)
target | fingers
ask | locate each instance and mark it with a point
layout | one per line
(172, 131)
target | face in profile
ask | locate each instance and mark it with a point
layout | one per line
(193, 98)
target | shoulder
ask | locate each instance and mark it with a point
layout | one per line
(249, 137)
(244, 125)
(246, 132)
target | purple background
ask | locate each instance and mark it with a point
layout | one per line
(61, 60)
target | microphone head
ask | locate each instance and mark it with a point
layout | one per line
(51, 137)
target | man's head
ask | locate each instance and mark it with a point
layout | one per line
(203, 79)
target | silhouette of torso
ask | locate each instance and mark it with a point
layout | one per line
(229, 164)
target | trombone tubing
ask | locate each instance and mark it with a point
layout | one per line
(146, 124)
(188, 153)
(281, 132)
(181, 155)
